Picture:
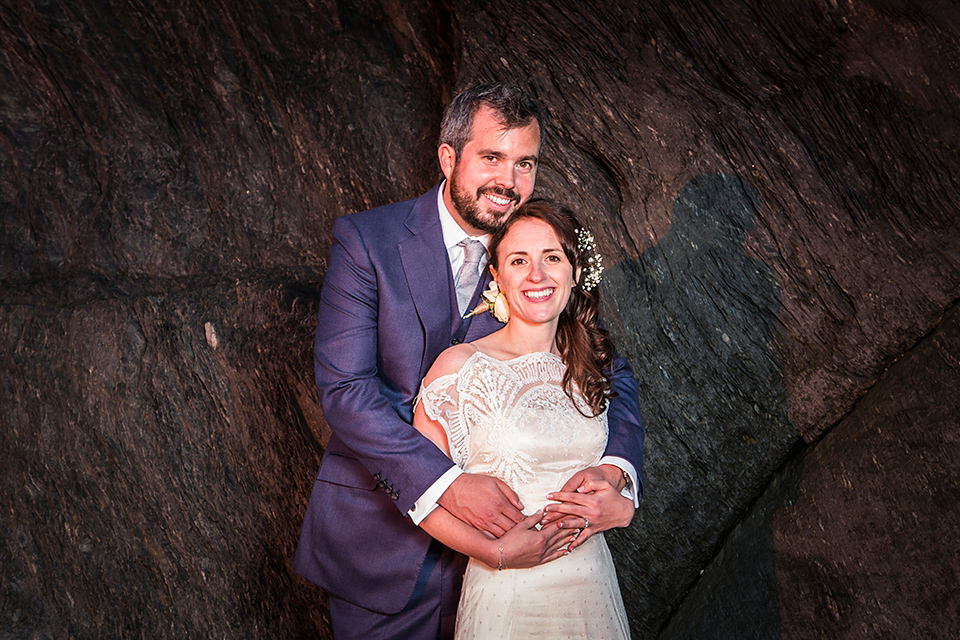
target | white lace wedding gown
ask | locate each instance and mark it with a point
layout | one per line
(511, 419)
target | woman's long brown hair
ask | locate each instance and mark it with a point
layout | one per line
(584, 345)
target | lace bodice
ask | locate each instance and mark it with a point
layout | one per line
(511, 419)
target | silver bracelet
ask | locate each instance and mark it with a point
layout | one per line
(500, 564)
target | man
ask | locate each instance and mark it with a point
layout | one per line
(399, 280)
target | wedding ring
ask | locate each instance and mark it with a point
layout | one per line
(586, 523)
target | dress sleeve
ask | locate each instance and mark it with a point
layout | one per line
(441, 402)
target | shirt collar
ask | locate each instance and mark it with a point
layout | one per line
(453, 233)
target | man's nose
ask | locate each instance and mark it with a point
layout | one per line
(505, 178)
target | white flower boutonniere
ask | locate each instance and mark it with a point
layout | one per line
(494, 302)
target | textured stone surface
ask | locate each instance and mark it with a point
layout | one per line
(149, 447)
(774, 192)
(869, 548)
(737, 595)
(704, 315)
(856, 536)
(168, 176)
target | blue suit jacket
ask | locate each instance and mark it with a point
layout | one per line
(386, 313)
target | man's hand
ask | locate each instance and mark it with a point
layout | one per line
(483, 502)
(590, 501)
(604, 472)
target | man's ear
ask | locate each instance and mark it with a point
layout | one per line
(448, 159)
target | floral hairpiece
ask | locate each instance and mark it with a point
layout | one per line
(592, 267)
(493, 301)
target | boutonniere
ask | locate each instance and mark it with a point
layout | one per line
(494, 302)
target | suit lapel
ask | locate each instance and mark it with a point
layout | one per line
(426, 269)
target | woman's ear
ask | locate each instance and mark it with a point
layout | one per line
(576, 276)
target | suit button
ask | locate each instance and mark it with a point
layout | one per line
(455, 341)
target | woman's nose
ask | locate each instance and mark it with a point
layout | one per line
(536, 272)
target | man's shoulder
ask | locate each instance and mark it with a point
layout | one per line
(391, 211)
(390, 216)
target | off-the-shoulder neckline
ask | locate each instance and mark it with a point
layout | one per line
(514, 359)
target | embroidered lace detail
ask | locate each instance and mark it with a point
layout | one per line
(511, 419)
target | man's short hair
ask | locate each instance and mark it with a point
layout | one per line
(512, 106)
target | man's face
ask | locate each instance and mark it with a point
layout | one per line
(494, 174)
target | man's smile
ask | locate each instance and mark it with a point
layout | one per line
(498, 200)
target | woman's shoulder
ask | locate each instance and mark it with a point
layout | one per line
(451, 360)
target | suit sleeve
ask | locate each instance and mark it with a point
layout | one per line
(356, 401)
(625, 439)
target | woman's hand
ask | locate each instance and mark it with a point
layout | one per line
(594, 506)
(526, 546)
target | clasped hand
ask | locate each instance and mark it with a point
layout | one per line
(528, 545)
(591, 502)
(588, 503)
(517, 541)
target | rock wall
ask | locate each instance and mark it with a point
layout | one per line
(855, 537)
(773, 190)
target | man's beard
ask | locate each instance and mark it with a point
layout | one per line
(469, 207)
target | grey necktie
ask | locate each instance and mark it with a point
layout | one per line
(469, 273)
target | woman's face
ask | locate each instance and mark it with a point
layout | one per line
(533, 272)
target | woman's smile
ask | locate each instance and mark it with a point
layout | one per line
(539, 294)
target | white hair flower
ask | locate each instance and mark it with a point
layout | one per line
(591, 262)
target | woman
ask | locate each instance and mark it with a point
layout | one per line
(527, 405)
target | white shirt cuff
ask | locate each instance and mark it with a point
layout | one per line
(427, 502)
(629, 491)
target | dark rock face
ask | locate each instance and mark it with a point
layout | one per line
(169, 174)
(774, 192)
(737, 595)
(716, 406)
(147, 451)
(869, 547)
